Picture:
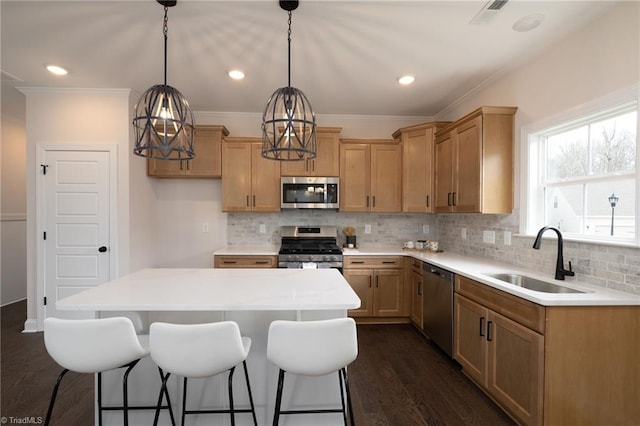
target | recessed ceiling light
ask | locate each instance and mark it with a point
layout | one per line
(528, 23)
(236, 74)
(406, 80)
(54, 69)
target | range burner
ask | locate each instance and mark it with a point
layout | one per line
(310, 246)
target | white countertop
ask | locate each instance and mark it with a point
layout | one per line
(477, 268)
(247, 251)
(210, 289)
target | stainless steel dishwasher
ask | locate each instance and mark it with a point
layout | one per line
(437, 304)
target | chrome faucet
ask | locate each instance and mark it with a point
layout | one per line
(560, 271)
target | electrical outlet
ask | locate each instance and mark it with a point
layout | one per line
(263, 228)
(425, 229)
(489, 237)
(205, 227)
(367, 229)
(507, 238)
(463, 234)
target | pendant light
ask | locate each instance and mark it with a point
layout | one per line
(288, 122)
(163, 120)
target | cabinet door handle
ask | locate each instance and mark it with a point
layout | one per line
(389, 262)
(489, 331)
(180, 164)
(313, 165)
(377, 277)
(427, 197)
(357, 262)
(453, 197)
(254, 201)
(262, 262)
(229, 262)
(374, 201)
(419, 288)
(367, 201)
(481, 326)
(247, 201)
(369, 281)
(448, 199)
(188, 164)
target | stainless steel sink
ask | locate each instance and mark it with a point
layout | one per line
(532, 283)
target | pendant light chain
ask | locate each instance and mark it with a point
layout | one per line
(289, 47)
(165, 31)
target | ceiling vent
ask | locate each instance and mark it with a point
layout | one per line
(488, 12)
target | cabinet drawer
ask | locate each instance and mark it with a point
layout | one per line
(416, 265)
(357, 262)
(245, 261)
(527, 313)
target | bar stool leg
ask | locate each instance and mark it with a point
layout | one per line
(276, 414)
(184, 401)
(344, 410)
(99, 399)
(230, 384)
(125, 392)
(246, 378)
(346, 382)
(163, 392)
(53, 396)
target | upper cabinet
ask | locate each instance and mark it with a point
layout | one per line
(474, 163)
(418, 166)
(206, 163)
(370, 175)
(250, 183)
(327, 159)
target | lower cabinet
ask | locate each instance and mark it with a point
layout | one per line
(502, 356)
(549, 365)
(378, 281)
(414, 280)
(224, 261)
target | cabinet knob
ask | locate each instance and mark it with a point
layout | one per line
(102, 249)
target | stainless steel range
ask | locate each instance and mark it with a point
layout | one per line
(309, 247)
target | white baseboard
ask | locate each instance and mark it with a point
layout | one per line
(30, 326)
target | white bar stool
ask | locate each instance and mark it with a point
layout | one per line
(198, 351)
(313, 348)
(93, 346)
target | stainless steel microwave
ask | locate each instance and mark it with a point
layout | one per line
(309, 192)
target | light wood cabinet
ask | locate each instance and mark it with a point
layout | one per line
(207, 163)
(249, 182)
(550, 365)
(378, 282)
(474, 163)
(327, 161)
(228, 261)
(416, 283)
(418, 144)
(370, 176)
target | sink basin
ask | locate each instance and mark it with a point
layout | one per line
(532, 283)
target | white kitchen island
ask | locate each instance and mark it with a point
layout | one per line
(251, 297)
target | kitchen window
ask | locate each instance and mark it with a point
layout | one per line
(583, 174)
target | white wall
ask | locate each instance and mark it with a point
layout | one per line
(13, 213)
(601, 59)
(77, 117)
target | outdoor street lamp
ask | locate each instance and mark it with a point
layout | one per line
(613, 200)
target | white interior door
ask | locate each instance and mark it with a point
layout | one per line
(76, 215)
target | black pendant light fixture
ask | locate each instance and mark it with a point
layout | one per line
(163, 120)
(288, 122)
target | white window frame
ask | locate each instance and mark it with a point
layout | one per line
(531, 155)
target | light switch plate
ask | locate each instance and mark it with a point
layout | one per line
(425, 229)
(367, 229)
(205, 227)
(263, 228)
(507, 238)
(463, 234)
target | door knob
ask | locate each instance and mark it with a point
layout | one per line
(102, 249)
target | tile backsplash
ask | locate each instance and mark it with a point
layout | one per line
(598, 264)
(386, 229)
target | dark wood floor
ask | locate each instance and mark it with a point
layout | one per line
(399, 379)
